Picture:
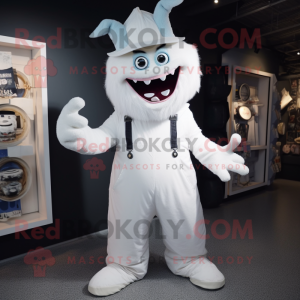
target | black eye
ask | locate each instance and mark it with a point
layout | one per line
(162, 58)
(141, 63)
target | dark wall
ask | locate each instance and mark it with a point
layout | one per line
(79, 203)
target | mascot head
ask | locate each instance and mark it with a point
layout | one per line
(152, 73)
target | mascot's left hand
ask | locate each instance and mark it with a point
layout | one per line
(220, 160)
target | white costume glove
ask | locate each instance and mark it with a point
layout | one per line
(74, 133)
(70, 125)
(220, 160)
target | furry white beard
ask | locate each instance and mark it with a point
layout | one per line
(127, 102)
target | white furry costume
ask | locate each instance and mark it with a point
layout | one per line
(152, 83)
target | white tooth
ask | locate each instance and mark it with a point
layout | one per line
(165, 93)
(163, 78)
(172, 72)
(149, 95)
(155, 99)
(147, 82)
(135, 81)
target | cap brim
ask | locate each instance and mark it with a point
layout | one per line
(167, 40)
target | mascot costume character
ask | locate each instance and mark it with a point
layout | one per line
(153, 130)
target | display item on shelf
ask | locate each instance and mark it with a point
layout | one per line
(22, 84)
(7, 84)
(244, 113)
(242, 129)
(290, 137)
(295, 149)
(15, 178)
(286, 149)
(8, 126)
(294, 88)
(281, 128)
(291, 126)
(297, 140)
(11, 174)
(7, 81)
(286, 98)
(12, 189)
(292, 106)
(10, 210)
(243, 180)
(243, 92)
(14, 125)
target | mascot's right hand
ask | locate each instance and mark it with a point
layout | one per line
(70, 127)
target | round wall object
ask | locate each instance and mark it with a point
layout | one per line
(15, 178)
(244, 112)
(13, 116)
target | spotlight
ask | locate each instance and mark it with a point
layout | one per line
(298, 53)
(216, 1)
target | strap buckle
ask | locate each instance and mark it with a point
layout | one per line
(127, 119)
(129, 154)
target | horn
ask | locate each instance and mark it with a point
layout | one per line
(116, 31)
(161, 16)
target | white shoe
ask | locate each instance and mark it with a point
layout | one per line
(207, 275)
(110, 280)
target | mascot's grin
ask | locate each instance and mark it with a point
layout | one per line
(155, 89)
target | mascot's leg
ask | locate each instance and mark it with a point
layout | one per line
(185, 247)
(131, 210)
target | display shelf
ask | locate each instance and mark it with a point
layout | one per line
(34, 150)
(261, 84)
(253, 148)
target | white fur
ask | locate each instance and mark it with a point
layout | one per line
(127, 102)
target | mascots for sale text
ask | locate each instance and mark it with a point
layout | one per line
(150, 78)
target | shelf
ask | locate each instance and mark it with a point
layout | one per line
(261, 85)
(241, 103)
(252, 185)
(36, 205)
(253, 148)
(26, 221)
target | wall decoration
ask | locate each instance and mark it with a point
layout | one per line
(15, 178)
(14, 125)
(7, 81)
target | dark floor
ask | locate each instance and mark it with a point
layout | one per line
(273, 273)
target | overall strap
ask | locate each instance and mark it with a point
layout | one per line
(128, 135)
(173, 129)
